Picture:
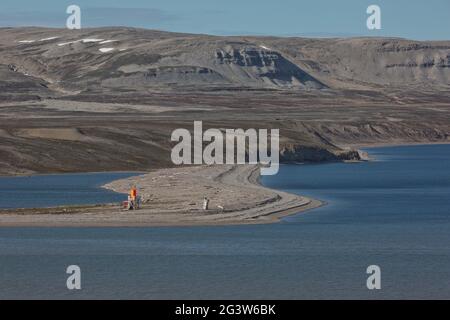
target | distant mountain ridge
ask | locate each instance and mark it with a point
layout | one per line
(46, 62)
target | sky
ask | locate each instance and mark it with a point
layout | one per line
(421, 20)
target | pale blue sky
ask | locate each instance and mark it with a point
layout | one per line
(424, 20)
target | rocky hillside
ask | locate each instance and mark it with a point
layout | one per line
(109, 99)
(372, 62)
(43, 62)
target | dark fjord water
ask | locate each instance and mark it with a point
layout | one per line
(58, 189)
(393, 212)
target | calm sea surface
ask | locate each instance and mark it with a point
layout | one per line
(393, 212)
(58, 189)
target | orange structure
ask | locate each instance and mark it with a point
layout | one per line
(133, 193)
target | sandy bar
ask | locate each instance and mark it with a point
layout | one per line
(173, 197)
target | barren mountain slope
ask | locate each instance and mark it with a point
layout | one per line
(371, 62)
(127, 59)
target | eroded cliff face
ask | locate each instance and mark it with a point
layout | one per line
(264, 67)
(298, 153)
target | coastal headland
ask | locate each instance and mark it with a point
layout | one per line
(173, 197)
